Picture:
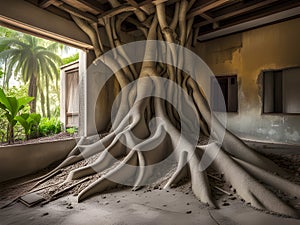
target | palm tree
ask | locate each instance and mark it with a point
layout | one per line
(6, 33)
(30, 57)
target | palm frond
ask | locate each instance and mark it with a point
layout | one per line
(52, 56)
(11, 42)
(6, 54)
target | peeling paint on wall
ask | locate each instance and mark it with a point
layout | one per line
(247, 54)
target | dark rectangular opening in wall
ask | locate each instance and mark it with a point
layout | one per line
(229, 89)
(280, 91)
(273, 92)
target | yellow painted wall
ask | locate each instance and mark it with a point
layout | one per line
(247, 54)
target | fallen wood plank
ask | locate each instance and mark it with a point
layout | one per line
(31, 199)
(214, 177)
(220, 189)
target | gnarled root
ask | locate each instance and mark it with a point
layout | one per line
(160, 141)
(243, 177)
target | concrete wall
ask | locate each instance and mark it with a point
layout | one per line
(20, 160)
(247, 54)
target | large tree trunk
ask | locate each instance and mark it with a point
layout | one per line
(47, 98)
(42, 102)
(147, 130)
(32, 92)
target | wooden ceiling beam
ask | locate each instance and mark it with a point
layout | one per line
(91, 5)
(46, 3)
(236, 12)
(132, 6)
(70, 9)
(251, 23)
(204, 8)
(208, 18)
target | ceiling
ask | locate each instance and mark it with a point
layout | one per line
(213, 18)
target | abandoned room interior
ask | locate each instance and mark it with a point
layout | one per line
(188, 112)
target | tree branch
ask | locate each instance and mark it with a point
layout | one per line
(85, 27)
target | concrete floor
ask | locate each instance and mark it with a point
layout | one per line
(143, 208)
(138, 208)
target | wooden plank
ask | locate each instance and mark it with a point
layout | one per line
(31, 199)
(237, 12)
(46, 3)
(203, 8)
(76, 12)
(208, 18)
(251, 22)
(222, 190)
(129, 7)
(92, 6)
(214, 177)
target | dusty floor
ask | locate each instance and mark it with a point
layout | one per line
(152, 206)
(138, 208)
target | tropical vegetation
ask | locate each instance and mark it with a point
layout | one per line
(12, 107)
(36, 62)
(29, 70)
(30, 123)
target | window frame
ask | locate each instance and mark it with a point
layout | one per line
(263, 92)
(228, 77)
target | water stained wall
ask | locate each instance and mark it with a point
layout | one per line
(247, 55)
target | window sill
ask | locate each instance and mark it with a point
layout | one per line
(281, 114)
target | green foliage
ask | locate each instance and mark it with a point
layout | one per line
(3, 126)
(6, 32)
(71, 130)
(32, 58)
(29, 56)
(12, 106)
(70, 59)
(23, 56)
(49, 126)
(1, 73)
(18, 92)
(29, 122)
(25, 121)
(34, 130)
